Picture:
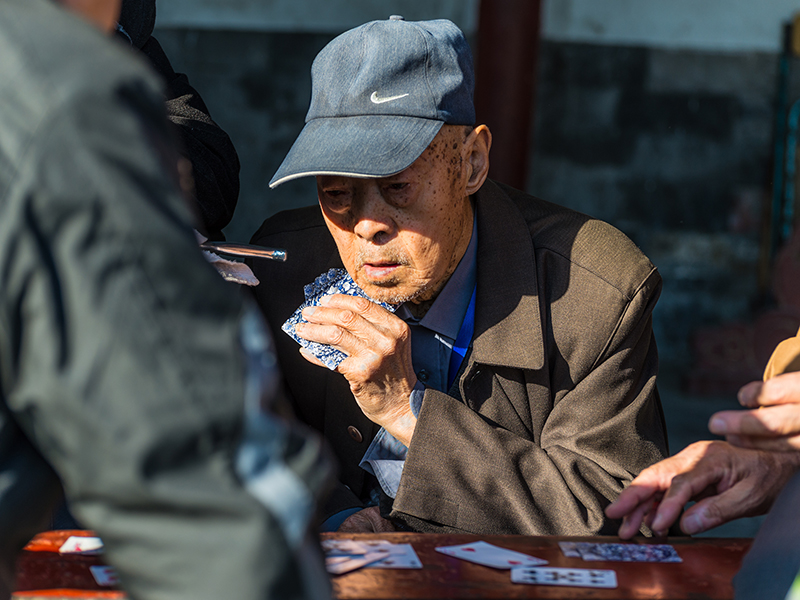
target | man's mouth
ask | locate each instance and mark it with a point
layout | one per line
(379, 270)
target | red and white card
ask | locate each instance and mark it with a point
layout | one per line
(81, 545)
(489, 555)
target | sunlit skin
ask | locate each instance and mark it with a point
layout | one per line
(400, 238)
(103, 14)
(727, 481)
(773, 423)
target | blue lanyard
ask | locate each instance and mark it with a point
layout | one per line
(463, 339)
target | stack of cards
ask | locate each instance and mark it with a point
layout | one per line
(621, 552)
(343, 556)
(489, 555)
(335, 281)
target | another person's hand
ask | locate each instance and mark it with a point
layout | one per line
(368, 520)
(727, 482)
(378, 364)
(774, 422)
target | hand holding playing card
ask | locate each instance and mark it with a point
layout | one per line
(378, 364)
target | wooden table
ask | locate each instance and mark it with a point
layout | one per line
(705, 573)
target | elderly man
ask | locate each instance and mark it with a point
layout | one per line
(512, 390)
(125, 360)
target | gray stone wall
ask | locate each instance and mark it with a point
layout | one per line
(674, 148)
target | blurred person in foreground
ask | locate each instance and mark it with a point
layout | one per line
(126, 362)
(513, 391)
(754, 471)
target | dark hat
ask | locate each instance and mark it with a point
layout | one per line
(379, 95)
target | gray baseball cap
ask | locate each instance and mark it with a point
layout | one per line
(379, 95)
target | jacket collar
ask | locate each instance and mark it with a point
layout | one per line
(508, 323)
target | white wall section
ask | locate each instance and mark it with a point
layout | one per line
(727, 25)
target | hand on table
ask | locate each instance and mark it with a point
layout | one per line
(727, 482)
(774, 422)
(378, 364)
(368, 520)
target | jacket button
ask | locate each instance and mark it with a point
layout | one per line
(423, 376)
(355, 434)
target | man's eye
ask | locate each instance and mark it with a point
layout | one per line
(336, 199)
(397, 187)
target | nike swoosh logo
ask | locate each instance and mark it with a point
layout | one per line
(376, 100)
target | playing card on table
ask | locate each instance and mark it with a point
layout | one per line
(628, 552)
(401, 556)
(82, 545)
(334, 281)
(104, 575)
(337, 565)
(570, 549)
(567, 577)
(488, 555)
(343, 547)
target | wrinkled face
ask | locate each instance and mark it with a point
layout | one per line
(401, 237)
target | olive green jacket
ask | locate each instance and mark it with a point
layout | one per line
(555, 409)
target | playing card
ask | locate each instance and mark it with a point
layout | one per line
(104, 575)
(488, 555)
(82, 545)
(343, 547)
(401, 556)
(629, 552)
(570, 549)
(335, 281)
(337, 565)
(567, 577)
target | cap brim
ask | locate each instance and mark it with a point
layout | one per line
(362, 146)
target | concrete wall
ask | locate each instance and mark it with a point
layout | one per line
(674, 148)
(713, 25)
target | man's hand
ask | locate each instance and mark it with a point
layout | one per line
(368, 520)
(727, 483)
(378, 364)
(774, 424)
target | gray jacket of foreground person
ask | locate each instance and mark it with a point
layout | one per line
(125, 360)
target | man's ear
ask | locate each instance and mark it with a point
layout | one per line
(477, 146)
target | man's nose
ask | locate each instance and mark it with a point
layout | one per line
(373, 221)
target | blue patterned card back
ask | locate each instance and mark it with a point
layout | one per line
(335, 281)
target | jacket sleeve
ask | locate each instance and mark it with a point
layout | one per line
(126, 369)
(528, 454)
(215, 163)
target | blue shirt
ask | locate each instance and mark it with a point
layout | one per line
(432, 339)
